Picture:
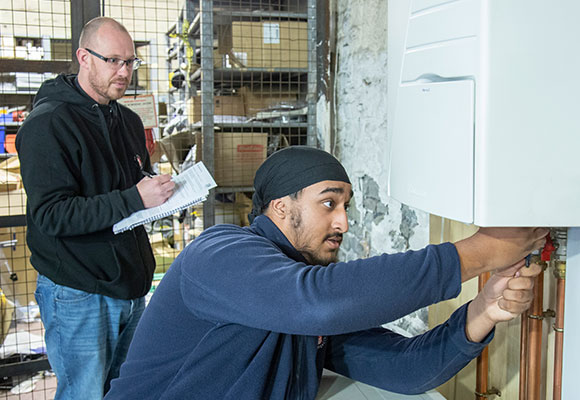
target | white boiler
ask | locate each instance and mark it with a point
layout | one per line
(484, 109)
(484, 121)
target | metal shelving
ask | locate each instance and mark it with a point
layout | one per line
(191, 44)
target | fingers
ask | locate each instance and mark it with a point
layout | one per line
(532, 271)
(156, 190)
(511, 270)
(513, 307)
(165, 186)
(521, 283)
(162, 179)
(519, 294)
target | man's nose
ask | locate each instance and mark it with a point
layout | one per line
(341, 221)
(125, 70)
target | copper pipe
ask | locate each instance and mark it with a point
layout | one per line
(481, 368)
(482, 363)
(535, 318)
(560, 273)
(523, 355)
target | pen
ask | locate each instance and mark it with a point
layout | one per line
(140, 164)
(147, 174)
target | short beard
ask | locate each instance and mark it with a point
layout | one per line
(103, 91)
(313, 260)
(296, 219)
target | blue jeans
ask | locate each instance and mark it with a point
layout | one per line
(87, 337)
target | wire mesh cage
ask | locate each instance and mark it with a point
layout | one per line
(225, 83)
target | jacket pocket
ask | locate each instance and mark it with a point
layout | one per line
(134, 263)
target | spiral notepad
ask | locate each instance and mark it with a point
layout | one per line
(191, 187)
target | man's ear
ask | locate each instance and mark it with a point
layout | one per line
(82, 56)
(278, 208)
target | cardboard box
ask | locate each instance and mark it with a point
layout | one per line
(14, 253)
(10, 178)
(14, 259)
(13, 202)
(177, 146)
(11, 164)
(60, 49)
(9, 181)
(260, 100)
(223, 105)
(272, 44)
(7, 45)
(237, 157)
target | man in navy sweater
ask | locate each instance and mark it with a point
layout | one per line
(258, 312)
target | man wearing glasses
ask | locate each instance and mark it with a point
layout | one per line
(83, 162)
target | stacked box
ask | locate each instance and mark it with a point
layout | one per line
(260, 100)
(223, 105)
(272, 44)
(237, 157)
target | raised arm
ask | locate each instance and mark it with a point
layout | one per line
(492, 248)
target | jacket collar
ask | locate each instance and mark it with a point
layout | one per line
(264, 227)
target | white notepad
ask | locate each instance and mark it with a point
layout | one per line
(191, 187)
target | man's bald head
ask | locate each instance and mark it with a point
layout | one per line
(91, 28)
(102, 44)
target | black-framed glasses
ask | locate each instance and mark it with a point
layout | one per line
(117, 63)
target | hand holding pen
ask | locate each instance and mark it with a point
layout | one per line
(154, 189)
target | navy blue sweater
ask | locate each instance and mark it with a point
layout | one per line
(241, 315)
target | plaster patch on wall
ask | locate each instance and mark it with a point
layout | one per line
(355, 243)
(372, 204)
(323, 123)
(402, 237)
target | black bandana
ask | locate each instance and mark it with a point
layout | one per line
(291, 169)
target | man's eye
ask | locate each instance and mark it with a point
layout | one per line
(328, 203)
(112, 60)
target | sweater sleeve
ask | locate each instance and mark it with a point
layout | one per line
(383, 359)
(50, 174)
(251, 282)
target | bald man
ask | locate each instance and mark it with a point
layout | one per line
(258, 312)
(83, 160)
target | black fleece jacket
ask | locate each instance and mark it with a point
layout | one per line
(79, 169)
